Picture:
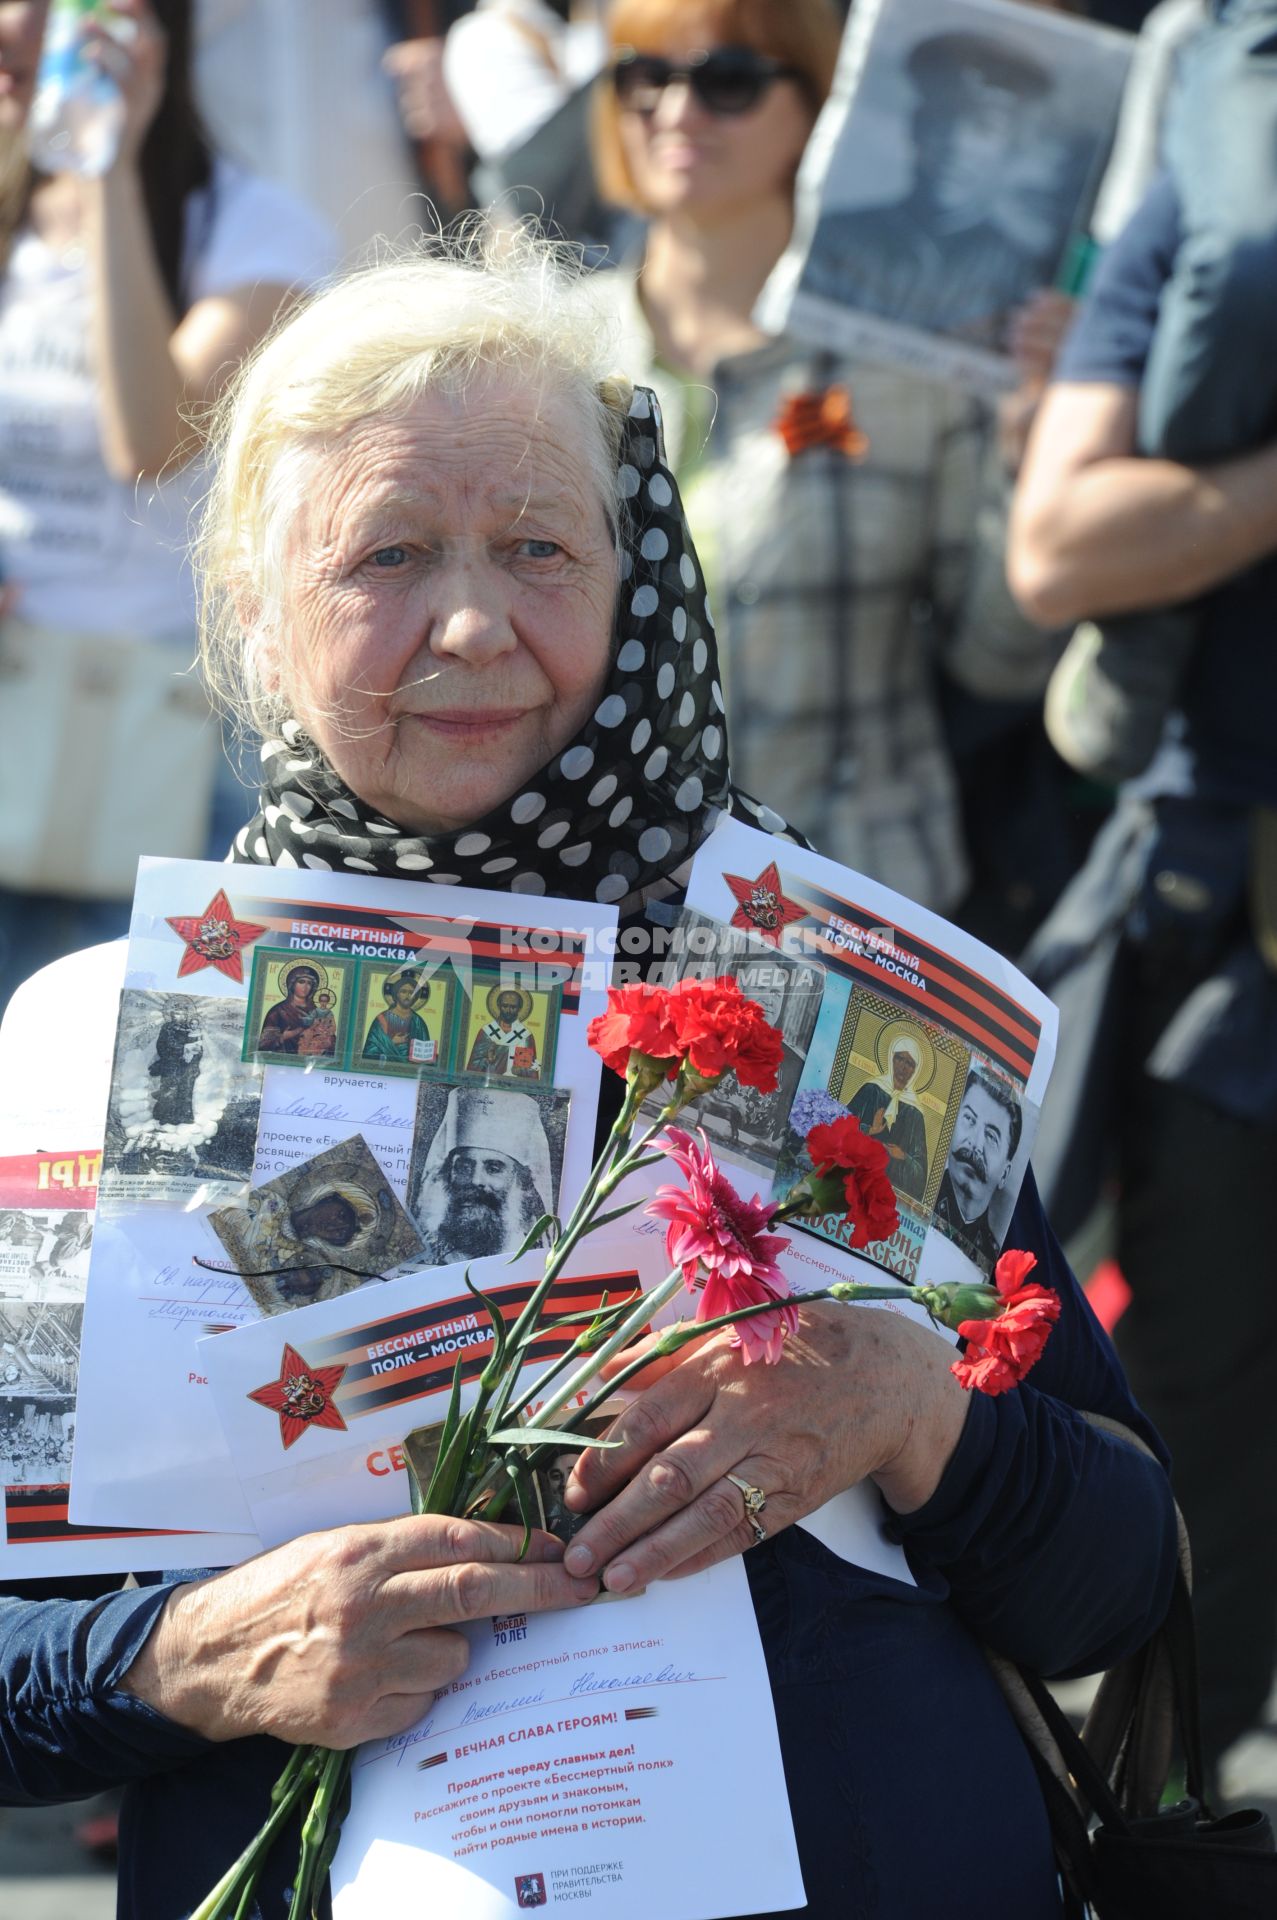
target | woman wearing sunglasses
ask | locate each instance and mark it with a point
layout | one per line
(834, 503)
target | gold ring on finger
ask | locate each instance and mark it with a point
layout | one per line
(755, 1501)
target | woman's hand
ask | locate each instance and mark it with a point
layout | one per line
(859, 1393)
(1034, 338)
(344, 1636)
(131, 46)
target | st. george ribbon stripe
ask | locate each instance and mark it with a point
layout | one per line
(976, 1010)
(568, 1295)
(974, 986)
(38, 1515)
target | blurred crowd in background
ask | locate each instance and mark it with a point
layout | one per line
(1010, 657)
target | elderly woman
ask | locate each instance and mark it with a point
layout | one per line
(450, 578)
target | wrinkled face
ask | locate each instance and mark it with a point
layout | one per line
(21, 31)
(981, 1150)
(683, 158)
(449, 587)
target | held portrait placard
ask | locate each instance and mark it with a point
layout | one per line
(948, 179)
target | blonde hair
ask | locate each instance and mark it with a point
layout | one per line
(370, 344)
(799, 33)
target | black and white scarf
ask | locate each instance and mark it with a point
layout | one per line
(616, 815)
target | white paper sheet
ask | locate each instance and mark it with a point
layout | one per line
(620, 1761)
(148, 1304)
(396, 1349)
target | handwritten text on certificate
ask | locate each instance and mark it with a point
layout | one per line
(620, 1760)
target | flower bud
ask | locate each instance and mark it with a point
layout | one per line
(955, 1302)
(675, 1337)
(698, 1083)
(644, 1075)
(815, 1195)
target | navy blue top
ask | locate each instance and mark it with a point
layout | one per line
(911, 1791)
(1229, 694)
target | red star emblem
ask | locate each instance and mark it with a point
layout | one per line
(762, 907)
(215, 938)
(302, 1397)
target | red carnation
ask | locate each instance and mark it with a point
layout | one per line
(720, 1031)
(862, 1162)
(1001, 1351)
(1012, 1270)
(637, 1021)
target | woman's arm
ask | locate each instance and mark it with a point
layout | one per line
(335, 1638)
(151, 365)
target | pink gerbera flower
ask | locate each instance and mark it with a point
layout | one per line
(721, 1243)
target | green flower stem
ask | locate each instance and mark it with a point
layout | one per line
(301, 1770)
(584, 1343)
(518, 1335)
(332, 1783)
(603, 1181)
(683, 1332)
(633, 1323)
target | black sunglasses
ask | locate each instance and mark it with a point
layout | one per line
(726, 80)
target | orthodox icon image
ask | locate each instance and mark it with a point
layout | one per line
(299, 1008)
(510, 1031)
(404, 1019)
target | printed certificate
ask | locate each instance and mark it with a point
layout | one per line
(588, 1762)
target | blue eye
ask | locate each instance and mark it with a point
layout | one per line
(541, 549)
(390, 556)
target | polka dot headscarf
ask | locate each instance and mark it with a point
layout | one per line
(625, 803)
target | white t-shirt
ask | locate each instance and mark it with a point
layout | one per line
(90, 552)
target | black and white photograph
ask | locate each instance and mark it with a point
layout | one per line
(486, 1165)
(744, 1123)
(989, 1149)
(327, 1226)
(956, 162)
(182, 1115)
(39, 1366)
(44, 1255)
(550, 1479)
